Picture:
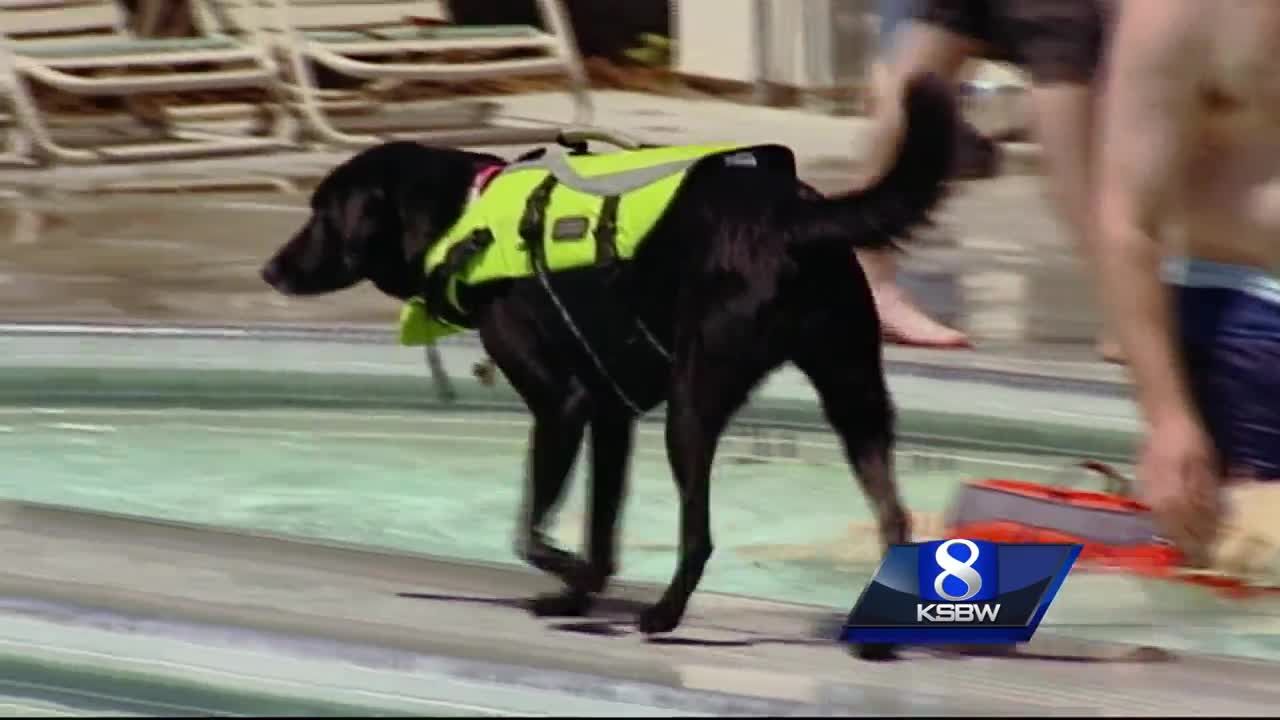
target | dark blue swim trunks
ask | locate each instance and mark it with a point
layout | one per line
(1229, 318)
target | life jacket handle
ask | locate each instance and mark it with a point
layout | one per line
(1114, 482)
(575, 138)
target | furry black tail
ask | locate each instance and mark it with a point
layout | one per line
(903, 198)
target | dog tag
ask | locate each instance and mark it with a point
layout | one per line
(570, 228)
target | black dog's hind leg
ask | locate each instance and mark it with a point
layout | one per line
(846, 369)
(856, 403)
(703, 398)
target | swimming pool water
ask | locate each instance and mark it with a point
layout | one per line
(436, 484)
(449, 484)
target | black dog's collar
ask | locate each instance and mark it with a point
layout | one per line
(484, 176)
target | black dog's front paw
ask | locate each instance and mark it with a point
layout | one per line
(567, 603)
(660, 618)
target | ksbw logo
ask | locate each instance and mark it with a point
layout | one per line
(959, 591)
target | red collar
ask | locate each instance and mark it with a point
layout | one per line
(483, 177)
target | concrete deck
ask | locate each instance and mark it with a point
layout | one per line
(417, 634)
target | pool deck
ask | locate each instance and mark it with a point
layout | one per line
(416, 634)
(1000, 269)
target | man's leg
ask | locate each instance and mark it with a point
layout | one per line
(917, 48)
(1063, 115)
(1062, 43)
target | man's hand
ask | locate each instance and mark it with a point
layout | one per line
(1179, 477)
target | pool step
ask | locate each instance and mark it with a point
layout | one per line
(385, 623)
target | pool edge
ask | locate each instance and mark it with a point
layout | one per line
(360, 368)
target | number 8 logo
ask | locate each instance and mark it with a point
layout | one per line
(962, 571)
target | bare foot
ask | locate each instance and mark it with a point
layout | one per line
(1110, 350)
(902, 323)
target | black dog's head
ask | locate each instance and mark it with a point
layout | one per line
(373, 217)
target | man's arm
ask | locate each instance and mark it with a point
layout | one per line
(1148, 108)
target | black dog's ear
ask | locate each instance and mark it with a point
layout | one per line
(357, 223)
(432, 204)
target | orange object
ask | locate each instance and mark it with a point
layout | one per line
(1017, 511)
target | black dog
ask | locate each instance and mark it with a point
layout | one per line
(747, 269)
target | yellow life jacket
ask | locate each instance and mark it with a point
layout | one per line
(581, 209)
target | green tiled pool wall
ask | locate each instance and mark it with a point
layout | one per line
(771, 415)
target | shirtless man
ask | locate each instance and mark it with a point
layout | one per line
(1191, 139)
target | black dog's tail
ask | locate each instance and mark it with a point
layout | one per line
(903, 198)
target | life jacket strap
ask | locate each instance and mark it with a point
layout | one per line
(534, 221)
(441, 285)
(607, 231)
(532, 231)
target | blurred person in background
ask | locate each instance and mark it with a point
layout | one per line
(977, 156)
(1190, 140)
(1060, 43)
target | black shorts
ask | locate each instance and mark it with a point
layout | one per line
(1229, 321)
(1056, 41)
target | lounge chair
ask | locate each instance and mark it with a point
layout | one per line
(83, 48)
(386, 42)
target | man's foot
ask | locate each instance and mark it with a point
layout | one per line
(902, 323)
